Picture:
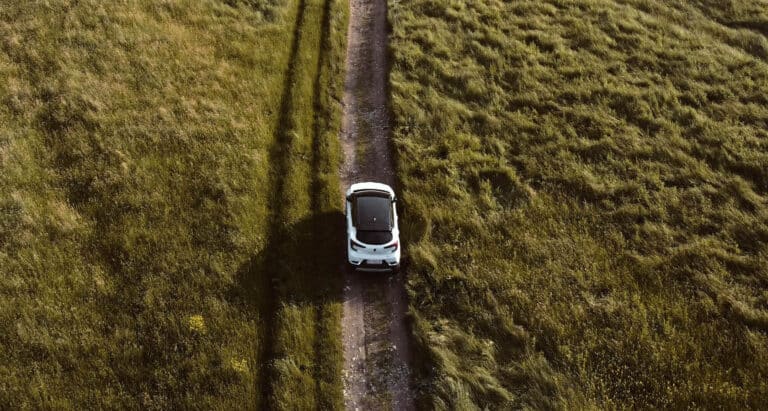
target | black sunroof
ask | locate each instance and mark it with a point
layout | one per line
(373, 213)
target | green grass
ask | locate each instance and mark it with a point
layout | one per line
(584, 189)
(140, 147)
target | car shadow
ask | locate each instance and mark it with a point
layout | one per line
(302, 265)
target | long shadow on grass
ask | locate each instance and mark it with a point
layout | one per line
(259, 277)
(299, 265)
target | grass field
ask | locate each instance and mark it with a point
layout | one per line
(585, 200)
(152, 156)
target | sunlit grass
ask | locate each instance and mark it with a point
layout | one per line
(584, 188)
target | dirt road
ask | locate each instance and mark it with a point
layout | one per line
(376, 347)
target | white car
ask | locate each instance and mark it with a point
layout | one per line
(373, 238)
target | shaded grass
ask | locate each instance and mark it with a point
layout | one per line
(584, 201)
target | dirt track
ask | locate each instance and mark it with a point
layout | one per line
(376, 347)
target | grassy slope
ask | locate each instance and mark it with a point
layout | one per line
(586, 200)
(136, 145)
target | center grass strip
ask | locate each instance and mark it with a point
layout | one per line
(302, 258)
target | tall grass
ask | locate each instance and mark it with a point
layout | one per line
(136, 167)
(584, 188)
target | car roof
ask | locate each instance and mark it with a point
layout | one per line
(372, 211)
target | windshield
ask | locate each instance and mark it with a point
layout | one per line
(373, 213)
(374, 237)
